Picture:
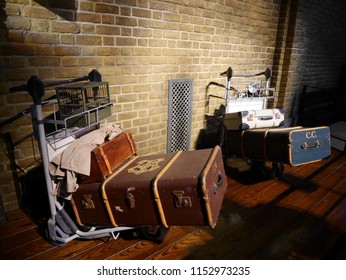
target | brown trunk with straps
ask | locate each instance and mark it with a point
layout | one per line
(184, 188)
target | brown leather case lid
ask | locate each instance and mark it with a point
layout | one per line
(108, 156)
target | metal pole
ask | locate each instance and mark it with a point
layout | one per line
(2, 212)
(45, 159)
(35, 88)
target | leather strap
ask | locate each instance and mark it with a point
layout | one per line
(105, 159)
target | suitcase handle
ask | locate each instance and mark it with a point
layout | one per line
(265, 118)
(218, 184)
(310, 146)
(130, 198)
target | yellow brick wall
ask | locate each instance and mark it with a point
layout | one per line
(137, 45)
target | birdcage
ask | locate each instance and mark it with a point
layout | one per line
(84, 103)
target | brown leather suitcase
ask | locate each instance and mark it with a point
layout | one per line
(108, 156)
(191, 191)
(184, 188)
(88, 206)
(91, 203)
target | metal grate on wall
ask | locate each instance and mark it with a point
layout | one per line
(179, 114)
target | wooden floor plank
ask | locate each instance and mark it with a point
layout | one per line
(144, 249)
(26, 250)
(182, 247)
(14, 216)
(238, 222)
(68, 251)
(21, 224)
(337, 218)
(253, 220)
(112, 246)
(283, 217)
(18, 239)
(289, 227)
(320, 239)
(299, 216)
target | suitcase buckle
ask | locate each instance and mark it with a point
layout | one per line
(181, 201)
(87, 202)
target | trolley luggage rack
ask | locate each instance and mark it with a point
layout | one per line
(254, 98)
(61, 228)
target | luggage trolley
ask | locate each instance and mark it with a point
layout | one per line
(255, 97)
(73, 120)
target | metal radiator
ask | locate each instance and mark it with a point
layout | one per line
(179, 114)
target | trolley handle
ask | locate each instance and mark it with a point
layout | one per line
(35, 86)
(50, 84)
(18, 88)
(229, 73)
(36, 89)
(24, 87)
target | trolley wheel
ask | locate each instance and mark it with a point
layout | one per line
(277, 170)
(154, 233)
(59, 232)
(259, 170)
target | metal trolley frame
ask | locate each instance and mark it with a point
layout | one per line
(257, 101)
(61, 228)
(263, 93)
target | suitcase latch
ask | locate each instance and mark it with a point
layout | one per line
(87, 202)
(181, 201)
(130, 198)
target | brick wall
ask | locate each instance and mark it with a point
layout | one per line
(138, 45)
(313, 36)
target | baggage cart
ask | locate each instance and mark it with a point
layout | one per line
(67, 127)
(257, 133)
(84, 103)
(254, 98)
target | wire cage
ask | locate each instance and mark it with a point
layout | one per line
(88, 102)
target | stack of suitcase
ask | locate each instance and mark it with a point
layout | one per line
(124, 189)
(261, 135)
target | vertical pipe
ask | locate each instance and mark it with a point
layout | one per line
(45, 159)
(3, 218)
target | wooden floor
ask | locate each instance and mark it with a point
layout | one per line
(299, 216)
